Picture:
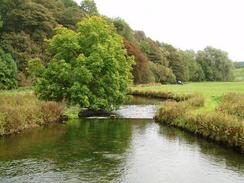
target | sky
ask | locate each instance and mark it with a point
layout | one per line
(186, 24)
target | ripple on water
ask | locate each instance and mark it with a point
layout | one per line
(116, 150)
(137, 111)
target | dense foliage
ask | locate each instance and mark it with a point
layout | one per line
(26, 24)
(8, 71)
(89, 66)
(215, 64)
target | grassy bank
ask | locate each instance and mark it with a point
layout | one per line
(214, 110)
(21, 109)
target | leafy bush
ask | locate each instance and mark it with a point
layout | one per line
(8, 70)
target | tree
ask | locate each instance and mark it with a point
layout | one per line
(123, 29)
(71, 16)
(176, 62)
(162, 74)
(1, 22)
(215, 64)
(151, 48)
(141, 71)
(21, 46)
(26, 24)
(8, 71)
(89, 7)
(89, 66)
(194, 69)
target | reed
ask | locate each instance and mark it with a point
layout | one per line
(19, 111)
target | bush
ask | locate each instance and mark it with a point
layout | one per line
(8, 70)
(20, 111)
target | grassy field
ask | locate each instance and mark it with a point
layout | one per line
(212, 91)
(239, 74)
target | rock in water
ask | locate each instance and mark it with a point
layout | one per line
(91, 113)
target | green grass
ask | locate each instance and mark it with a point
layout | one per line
(212, 91)
(239, 74)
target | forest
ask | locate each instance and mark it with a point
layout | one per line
(27, 25)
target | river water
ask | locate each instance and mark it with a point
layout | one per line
(129, 150)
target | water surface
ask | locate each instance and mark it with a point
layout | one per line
(118, 150)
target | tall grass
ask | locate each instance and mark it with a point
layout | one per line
(224, 125)
(159, 94)
(19, 111)
(233, 104)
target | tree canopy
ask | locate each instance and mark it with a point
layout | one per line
(89, 7)
(25, 25)
(215, 64)
(89, 66)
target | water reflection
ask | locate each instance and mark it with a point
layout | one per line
(89, 150)
(209, 151)
(118, 150)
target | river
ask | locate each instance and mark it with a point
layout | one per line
(129, 150)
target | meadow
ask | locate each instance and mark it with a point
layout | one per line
(212, 91)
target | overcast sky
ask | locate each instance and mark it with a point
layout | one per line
(186, 24)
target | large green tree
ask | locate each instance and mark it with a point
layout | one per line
(89, 66)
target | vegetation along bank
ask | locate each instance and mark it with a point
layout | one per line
(71, 55)
(214, 110)
(21, 110)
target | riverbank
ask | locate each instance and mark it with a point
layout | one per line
(214, 110)
(20, 110)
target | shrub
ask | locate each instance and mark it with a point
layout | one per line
(170, 111)
(232, 103)
(20, 111)
(218, 126)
